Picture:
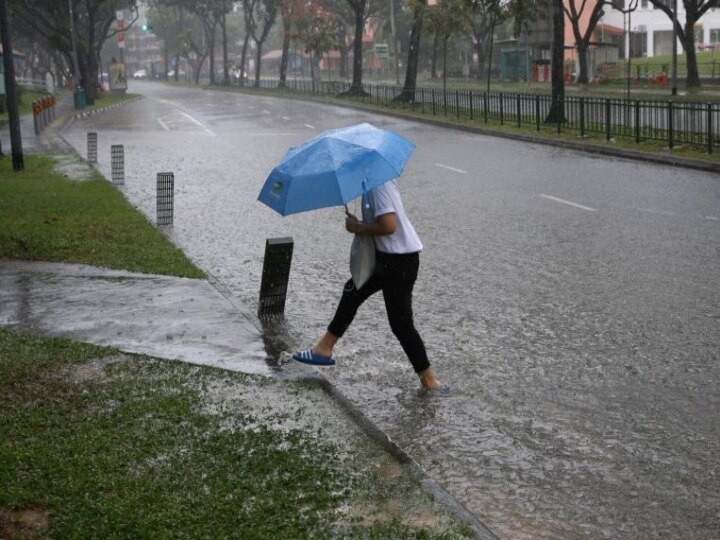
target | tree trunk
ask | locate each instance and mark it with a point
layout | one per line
(356, 88)
(344, 61)
(556, 115)
(433, 60)
(582, 50)
(258, 62)
(226, 70)
(285, 53)
(480, 51)
(444, 66)
(243, 58)
(211, 47)
(407, 94)
(693, 75)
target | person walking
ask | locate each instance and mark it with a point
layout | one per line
(397, 260)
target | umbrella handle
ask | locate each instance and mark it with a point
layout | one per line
(347, 212)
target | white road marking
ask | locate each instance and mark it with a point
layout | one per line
(207, 130)
(712, 218)
(309, 126)
(449, 168)
(287, 119)
(265, 111)
(563, 201)
(163, 124)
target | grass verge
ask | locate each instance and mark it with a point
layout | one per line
(46, 217)
(96, 444)
(25, 106)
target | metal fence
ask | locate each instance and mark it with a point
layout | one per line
(672, 122)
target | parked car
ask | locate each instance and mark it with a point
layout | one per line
(181, 74)
(140, 74)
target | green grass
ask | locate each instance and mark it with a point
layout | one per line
(107, 99)
(708, 63)
(46, 217)
(26, 97)
(95, 444)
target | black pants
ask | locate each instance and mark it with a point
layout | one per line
(395, 276)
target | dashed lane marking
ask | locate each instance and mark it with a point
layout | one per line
(569, 203)
(449, 168)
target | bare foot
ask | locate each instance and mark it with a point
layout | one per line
(428, 380)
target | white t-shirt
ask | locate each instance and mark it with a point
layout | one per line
(385, 199)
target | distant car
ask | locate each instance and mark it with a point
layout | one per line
(181, 74)
(140, 74)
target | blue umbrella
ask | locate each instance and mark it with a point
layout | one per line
(334, 168)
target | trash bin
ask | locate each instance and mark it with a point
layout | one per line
(80, 98)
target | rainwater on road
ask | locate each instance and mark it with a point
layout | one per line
(572, 302)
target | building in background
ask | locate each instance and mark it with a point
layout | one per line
(651, 30)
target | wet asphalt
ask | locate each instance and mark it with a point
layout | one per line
(570, 300)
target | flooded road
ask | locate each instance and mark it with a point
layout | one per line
(572, 302)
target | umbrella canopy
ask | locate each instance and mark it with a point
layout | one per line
(334, 168)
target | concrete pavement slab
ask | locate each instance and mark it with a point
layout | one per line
(161, 316)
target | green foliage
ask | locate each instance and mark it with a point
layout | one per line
(46, 217)
(95, 444)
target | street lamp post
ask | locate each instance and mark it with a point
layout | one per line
(396, 48)
(631, 6)
(674, 50)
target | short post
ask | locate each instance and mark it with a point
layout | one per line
(117, 161)
(36, 113)
(709, 116)
(607, 120)
(275, 276)
(92, 147)
(165, 198)
(46, 112)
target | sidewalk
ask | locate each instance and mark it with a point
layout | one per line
(159, 316)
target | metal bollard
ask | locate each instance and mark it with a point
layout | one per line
(46, 113)
(36, 112)
(165, 198)
(275, 277)
(117, 161)
(92, 147)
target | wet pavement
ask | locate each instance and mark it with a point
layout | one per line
(571, 302)
(160, 316)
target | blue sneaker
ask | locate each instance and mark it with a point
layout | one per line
(306, 356)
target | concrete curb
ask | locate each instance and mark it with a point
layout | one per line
(85, 114)
(428, 483)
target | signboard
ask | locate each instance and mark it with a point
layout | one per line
(121, 32)
(381, 49)
(118, 76)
